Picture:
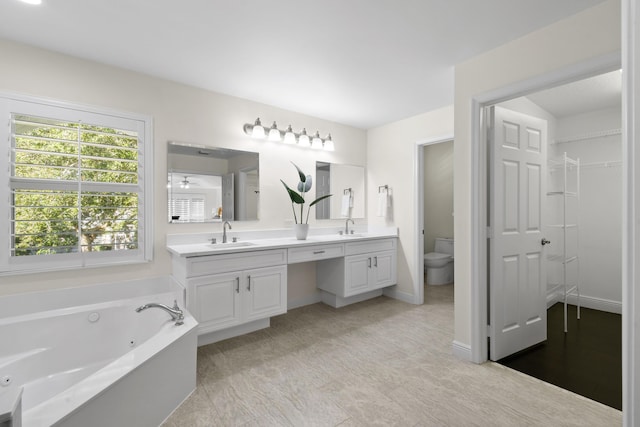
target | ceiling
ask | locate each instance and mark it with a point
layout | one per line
(363, 63)
(582, 96)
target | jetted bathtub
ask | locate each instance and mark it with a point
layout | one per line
(85, 357)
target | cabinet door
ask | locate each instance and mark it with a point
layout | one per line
(357, 271)
(384, 269)
(215, 301)
(264, 292)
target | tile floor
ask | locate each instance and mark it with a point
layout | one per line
(380, 362)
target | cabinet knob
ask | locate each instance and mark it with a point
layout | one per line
(375, 261)
(237, 285)
(369, 262)
(248, 283)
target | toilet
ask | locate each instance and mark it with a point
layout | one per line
(439, 264)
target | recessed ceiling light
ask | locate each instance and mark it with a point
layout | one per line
(34, 2)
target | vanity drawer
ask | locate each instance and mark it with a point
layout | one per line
(316, 252)
(213, 264)
(366, 246)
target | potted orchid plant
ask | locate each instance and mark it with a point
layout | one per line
(298, 198)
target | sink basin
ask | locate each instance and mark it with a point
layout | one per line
(352, 235)
(230, 245)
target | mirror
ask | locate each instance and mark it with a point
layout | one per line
(207, 184)
(346, 183)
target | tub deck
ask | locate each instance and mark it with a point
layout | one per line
(73, 364)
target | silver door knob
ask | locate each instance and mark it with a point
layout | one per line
(545, 241)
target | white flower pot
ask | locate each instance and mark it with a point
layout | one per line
(301, 231)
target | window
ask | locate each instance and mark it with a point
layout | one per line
(75, 186)
(186, 207)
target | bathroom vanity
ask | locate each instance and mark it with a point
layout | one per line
(235, 288)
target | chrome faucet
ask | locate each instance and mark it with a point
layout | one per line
(175, 312)
(346, 225)
(224, 231)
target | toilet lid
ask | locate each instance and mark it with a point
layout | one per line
(434, 256)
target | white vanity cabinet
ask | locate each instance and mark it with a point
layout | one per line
(235, 289)
(224, 300)
(229, 290)
(369, 271)
(368, 266)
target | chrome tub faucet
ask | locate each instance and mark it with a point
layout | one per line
(175, 312)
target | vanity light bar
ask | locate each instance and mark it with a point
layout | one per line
(288, 136)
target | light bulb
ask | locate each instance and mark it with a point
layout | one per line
(316, 143)
(303, 139)
(289, 136)
(258, 130)
(328, 143)
(274, 133)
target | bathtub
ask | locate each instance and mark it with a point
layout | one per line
(85, 357)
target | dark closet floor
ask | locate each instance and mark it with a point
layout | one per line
(587, 360)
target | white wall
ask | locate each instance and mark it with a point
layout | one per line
(600, 226)
(390, 161)
(438, 193)
(587, 35)
(180, 113)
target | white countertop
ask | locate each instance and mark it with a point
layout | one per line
(198, 245)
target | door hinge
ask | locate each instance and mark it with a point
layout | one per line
(489, 232)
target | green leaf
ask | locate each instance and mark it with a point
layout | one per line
(303, 178)
(295, 197)
(319, 199)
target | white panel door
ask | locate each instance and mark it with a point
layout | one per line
(517, 277)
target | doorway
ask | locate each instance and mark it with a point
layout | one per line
(581, 226)
(421, 217)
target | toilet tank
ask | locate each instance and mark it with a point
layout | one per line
(444, 246)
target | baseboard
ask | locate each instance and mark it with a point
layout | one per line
(461, 351)
(393, 292)
(306, 300)
(553, 298)
(593, 303)
(596, 303)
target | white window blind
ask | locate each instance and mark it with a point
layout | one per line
(76, 188)
(186, 207)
